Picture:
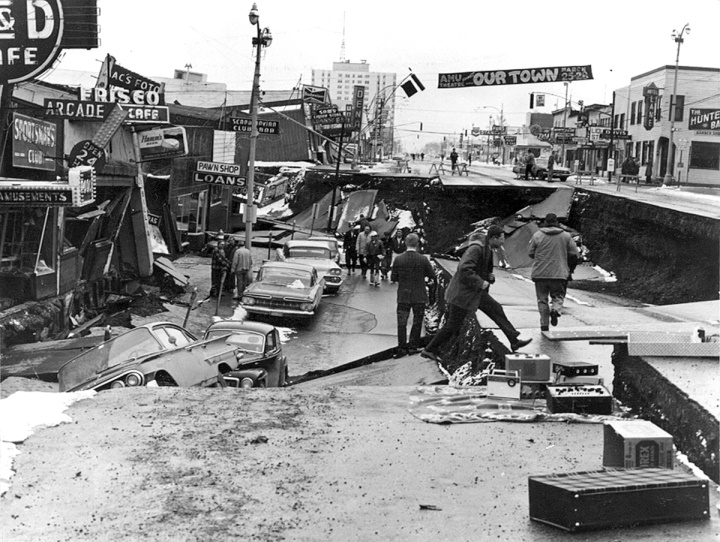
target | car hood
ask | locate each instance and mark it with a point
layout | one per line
(82, 372)
(322, 265)
(276, 290)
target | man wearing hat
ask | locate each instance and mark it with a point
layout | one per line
(554, 255)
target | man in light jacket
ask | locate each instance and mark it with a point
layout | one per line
(242, 269)
(361, 246)
(555, 254)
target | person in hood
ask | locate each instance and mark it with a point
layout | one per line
(468, 292)
(374, 253)
(554, 255)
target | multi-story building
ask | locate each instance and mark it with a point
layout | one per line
(379, 118)
(643, 110)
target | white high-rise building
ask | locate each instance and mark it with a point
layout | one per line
(379, 96)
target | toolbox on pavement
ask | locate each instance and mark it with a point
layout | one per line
(575, 368)
(637, 444)
(612, 498)
(579, 399)
(532, 367)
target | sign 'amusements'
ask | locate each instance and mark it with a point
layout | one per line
(514, 77)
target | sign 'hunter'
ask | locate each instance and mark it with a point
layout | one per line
(30, 36)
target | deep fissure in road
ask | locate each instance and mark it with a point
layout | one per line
(659, 256)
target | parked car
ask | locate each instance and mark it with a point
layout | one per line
(284, 289)
(333, 244)
(315, 253)
(540, 170)
(260, 344)
(158, 354)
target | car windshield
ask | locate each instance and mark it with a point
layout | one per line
(285, 277)
(245, 340)
(309, 252)
(133, 344)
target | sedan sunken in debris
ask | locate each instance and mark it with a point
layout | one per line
(284, 289)
(158, 354)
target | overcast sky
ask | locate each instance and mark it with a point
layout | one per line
(618, 38)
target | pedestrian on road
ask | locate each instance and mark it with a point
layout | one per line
(219, 265)
(422, 156)
(468, 292)
(410, 270)
(374, 252)
(469, 159)
(551, 166)
(349, 244)
(554, 253)
(397, 244)
(361, 249)
(648, 170)
(453, 160)
(241, 269)
(230, 248)
(387, 255)
(530, 166)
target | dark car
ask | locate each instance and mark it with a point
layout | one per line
(540, 170)
(158, 354)
(260, 344)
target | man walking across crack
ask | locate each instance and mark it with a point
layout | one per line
(468, 291)
(409, 270)
(554, 255)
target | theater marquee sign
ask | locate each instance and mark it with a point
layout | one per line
(30, 35)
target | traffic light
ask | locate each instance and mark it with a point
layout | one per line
(532, 100)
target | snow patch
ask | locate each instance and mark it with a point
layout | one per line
(21, 414)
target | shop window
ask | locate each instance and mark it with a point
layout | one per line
(705, 155)
(26, 241)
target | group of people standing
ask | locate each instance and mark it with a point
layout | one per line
(371, 253)
(231, 267)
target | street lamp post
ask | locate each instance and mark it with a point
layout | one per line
(502, 123)
(263, 39)
(678, 37)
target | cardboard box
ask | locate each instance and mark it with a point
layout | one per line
(637, 444)
(608, 499)
(532, 367)
(504, 384)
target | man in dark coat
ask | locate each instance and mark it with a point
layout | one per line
(219, 266)
(351, 255)
(410, 270)
(468, 292)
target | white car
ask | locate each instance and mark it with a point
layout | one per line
(315, 253)
(333, 244)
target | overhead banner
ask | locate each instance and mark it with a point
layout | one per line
(704, 119)
(514, 77)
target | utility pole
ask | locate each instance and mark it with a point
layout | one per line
(565, 115)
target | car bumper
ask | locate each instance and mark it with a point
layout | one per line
(270, 311)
